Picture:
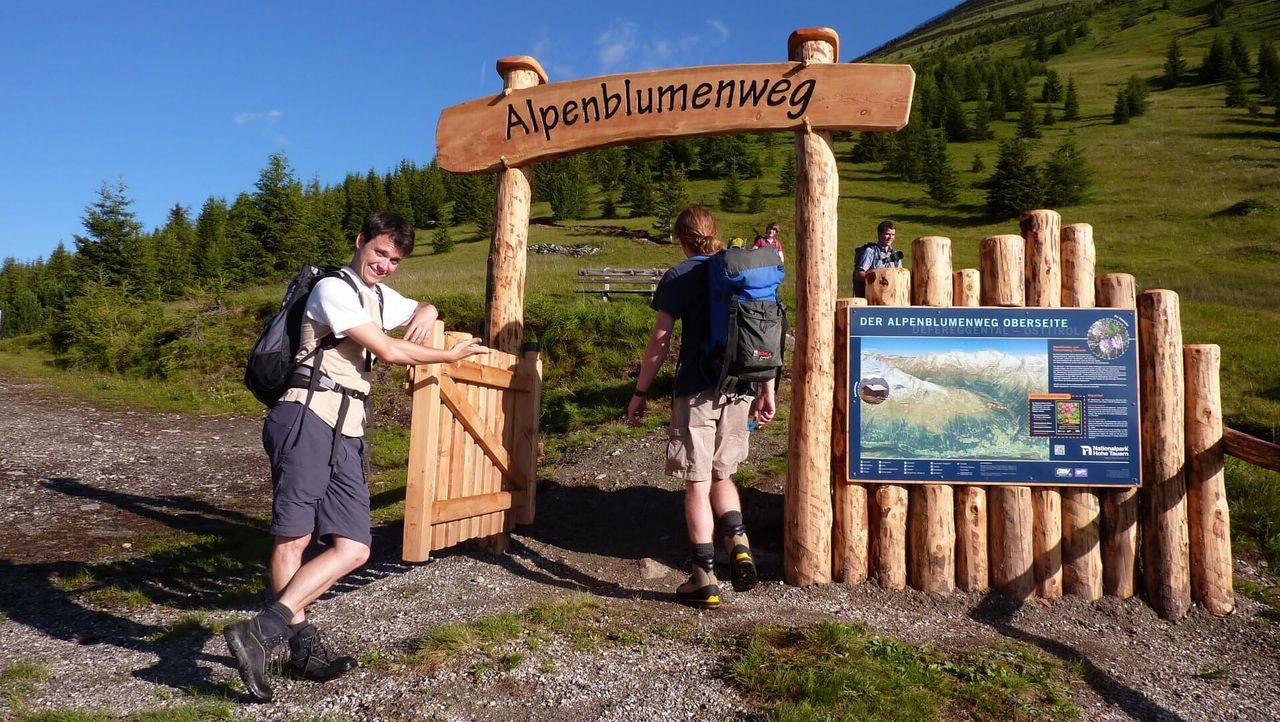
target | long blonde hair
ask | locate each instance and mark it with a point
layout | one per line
(697, 230)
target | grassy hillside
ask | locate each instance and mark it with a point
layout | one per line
(1161, 183)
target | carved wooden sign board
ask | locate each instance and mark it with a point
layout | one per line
(542, 122)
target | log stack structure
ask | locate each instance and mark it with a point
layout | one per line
(1042, 542)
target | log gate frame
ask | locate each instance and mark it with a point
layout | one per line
(1024, 542)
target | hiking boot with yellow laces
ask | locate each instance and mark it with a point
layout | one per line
(702, 590)
(742, 567)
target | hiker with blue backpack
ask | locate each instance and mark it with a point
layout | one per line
(313, 365)
(733, 328)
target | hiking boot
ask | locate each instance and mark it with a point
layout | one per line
(310, 658)
(742, 567)
(252, 650)
(702, 589)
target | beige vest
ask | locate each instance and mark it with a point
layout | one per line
(345, 364)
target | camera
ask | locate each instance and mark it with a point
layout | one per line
(895, 255)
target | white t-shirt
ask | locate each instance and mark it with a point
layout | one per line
(333, 304)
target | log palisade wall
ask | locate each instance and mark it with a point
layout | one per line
(1043, 542)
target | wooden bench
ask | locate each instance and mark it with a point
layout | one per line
(605, 281)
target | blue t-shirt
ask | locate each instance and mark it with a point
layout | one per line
(683, 294)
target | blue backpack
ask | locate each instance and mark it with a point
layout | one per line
(748, 321)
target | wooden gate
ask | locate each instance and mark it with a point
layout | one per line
(472, 448)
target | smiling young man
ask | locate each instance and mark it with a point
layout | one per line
(314, 436)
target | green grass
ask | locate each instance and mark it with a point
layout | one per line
(836, 671)
(504, 641)
(20, 678)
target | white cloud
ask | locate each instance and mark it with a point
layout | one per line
(625, 45)
(267, 118)
(615, 44)
(266, 121)
(719, 29)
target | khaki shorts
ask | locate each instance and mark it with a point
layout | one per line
(708, 436)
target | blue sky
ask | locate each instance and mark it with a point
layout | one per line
(183, 100)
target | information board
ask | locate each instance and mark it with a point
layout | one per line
(993, 396)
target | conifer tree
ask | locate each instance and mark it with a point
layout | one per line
(322, 210)
(474, 199)
(606, 167)
(1071, 102)
(377, 192)
(112, 249)
(637, 189)
(60, 282)
(672, 197)
(174, 248)
(1216, 61)
(1120, 113)
(279, 202)
(608, 209)
(940, 177)
(1237, 97)
(400, 192)
(428, 195)
(756, 201)
(1240, 53)
(1028, 126)
(731, 192)
(1268, 69)
(978, 165)
(787, 176)
(954, 122)
(212, 254)
(1052, 90)
(871, 148)
(1049, 118)
(1175, 66)
(249, 261)
(357, 206)
(1015, 185)
(910, 148)
(1218, 13)
(1136, 94)
(441, 241)
(563, 183)
(996, 96)
(981, 128)
(1067, 176)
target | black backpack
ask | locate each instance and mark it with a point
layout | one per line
(748, 324)
(274, 358)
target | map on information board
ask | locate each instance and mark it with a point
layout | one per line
(998, 396)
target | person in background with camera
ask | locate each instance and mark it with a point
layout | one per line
(878, 254)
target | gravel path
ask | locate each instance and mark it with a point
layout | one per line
(79, 483)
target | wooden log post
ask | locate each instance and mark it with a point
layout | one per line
(1042, 230)
(524, 452)
(970, 500)
(1120, 506)
(508, 254)
(424, 443)
(1163, 499)
(889, 287)
(1009, 510)
(849, 543)
(1209, 518)
(1081, 507)
(932, 519)
(808, 512)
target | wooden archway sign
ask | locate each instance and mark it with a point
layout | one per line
(811, 94)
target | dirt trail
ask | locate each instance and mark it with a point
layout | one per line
(79, 483)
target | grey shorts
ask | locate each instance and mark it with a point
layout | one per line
(309, 496)
(708, 436)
